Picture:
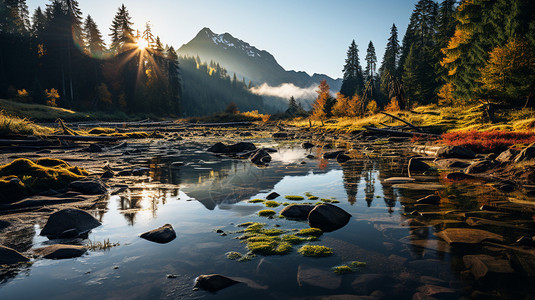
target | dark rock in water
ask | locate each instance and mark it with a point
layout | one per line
(483, 266)
(451, 163)
(213, 282)
(260, 157)
(430, 291)
(317, 277)
(161, 235)
(307, 145)
(527, 153)
(342, 158)
(280, 135)
(107, 174)
(480, 167)
(467, 236)
(334, 154)
(241, 147)
(366, 283)
(218, 148)
(296, 211)
(94, 148)
(89, 186)
(124, 173)
(4, 224)
(328, 217)
(506, 187)
(507, 156)
(67, 220)
(417, 165)
(60, 251)
(272, 196)
(10, 256)
(140, 171)
(310, 156)
(430, 199)
(270, 150)
(455, 152)
(458, 176)
(246, 134)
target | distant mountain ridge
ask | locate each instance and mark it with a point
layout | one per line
(247, 61)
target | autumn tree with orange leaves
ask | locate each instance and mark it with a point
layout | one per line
(324, 102)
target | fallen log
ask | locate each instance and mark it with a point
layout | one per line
(397, 132)
(87, 138)
(229, 124)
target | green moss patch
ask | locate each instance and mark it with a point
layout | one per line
(357, 264)
(256, 201)
(315, 251)
(329, 200)
(315, 232)
(294, 197)
(266, 213)
(23, 177)
(268, 247)
(233, 255)
(271, 203)
(343, 270)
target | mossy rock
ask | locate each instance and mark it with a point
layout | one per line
(101, 130)
(315, 232)
(256, 201)
(271, 203)
(315, 251)
(35, 177)
(268, 247)
(294, 197)
(266, 213)
(341, 270)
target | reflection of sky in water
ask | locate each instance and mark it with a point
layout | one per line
(373, 235)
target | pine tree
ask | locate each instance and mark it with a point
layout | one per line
(122, 33)
(445, 28)
(293, 109)
(353, 80)
(371, 62)
(388, 69)
(93, 38)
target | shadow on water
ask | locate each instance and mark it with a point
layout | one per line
(198, 192)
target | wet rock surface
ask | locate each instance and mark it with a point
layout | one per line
(60, 251)
(297, 211)
(68, 223)
(161, 235)
(10, 256)
(213, 282)
(455, 152)
(89, 186)
(328, 217)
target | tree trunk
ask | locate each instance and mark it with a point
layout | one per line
(489, 109)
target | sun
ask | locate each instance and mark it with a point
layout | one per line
(142, 43)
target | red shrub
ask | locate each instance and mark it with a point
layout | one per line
(488, 141)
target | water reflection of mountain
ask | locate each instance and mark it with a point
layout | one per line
(216, 180)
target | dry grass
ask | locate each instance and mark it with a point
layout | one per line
(10, 125)
(104, 245)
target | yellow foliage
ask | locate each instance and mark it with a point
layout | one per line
(318, 106)
(445, 94)
(393, 106)
(372, 107)
(342, 107)
(256, 115)
(52, 96)
(22, 93)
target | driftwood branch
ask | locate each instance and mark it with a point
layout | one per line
(397, 132)
(399, 119)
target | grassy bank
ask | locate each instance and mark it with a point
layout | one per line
(436, 119)
(10, 125)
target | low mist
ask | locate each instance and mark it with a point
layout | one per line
(286, 90)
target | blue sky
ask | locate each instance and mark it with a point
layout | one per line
(303, 35)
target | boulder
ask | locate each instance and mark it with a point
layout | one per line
(458, 176)
(467, 236)
(213, 282)
(10, 256)
(431, 291)
(527, 153)
(272, 196)
(342, 158)
(89, 186)
(430, 199)
(240, 147)
(94, 148)
(333, 154)
(328, 217)
(507, 156)
(455, 152)
(451, 163)
(218, 148)
(307, 145)
(69, 222)
(140, 171)
(108, 174)
(60, 251)
(260, 157)
(280, 135)
(161, 235)
(417, 165)
(316, 277)
(296, 211)
(483, 266)
(480, 167)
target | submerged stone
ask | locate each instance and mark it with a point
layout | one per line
(417, 165)
(60, 251)
(161, 235)
(89, 186)
(482, 265)
(213, 282)
(334, 154)
(464, 236)
(69, 221)
(430, 199)
(317, 277)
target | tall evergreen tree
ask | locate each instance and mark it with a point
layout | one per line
(371, 62)
(121, 30)
(388, 69)
(93, 38)
(353, 80)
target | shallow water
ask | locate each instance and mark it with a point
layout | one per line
(201, 193)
